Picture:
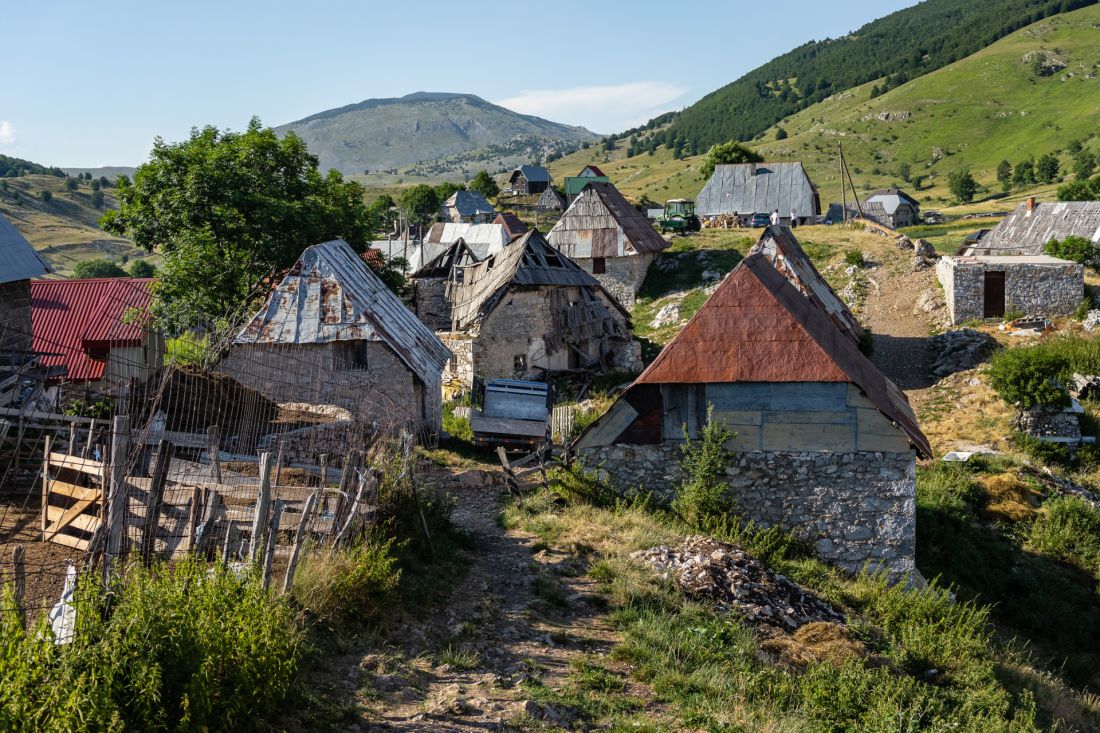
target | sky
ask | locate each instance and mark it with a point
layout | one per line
(99, 81)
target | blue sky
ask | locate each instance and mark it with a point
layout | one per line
(96, 82)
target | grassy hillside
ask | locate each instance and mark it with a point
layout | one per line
(65, 229)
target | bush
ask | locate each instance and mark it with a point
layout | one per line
(1068, 528)
(1030, 377)
(457, 427)
(45, 195)
(702, 493)
(98, 268)
(351, 583)
(1075, 249)
(854, 257)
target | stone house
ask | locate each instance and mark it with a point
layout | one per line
(528, 180)
(757, 188)
(824, 445)
(522, 312)
(609, 239)
(983, 286)
(94, 335)
(468, 207)
(332, 333)
(1032, 224)
(18, 264)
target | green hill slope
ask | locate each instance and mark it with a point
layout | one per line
(905, 45)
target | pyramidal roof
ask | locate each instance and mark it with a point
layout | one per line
(329, 295)
(757, 327)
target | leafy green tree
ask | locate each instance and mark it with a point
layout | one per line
(905, 172)
(1084, 163)
(142, 268)
(1075, 249)
(45, 195)
(445, 190)
(962, 185)
(71, 184)
(383, 213)
(122, 181)
(97, 198)
(1024, 173)
(98, 268)
(780, 134)
(1046, 169)
(421, 203)
(95, 185)
(725, 154)
(104, 182)
(1080, 190)
(228, 209)
(484, 184)
(1004, 175)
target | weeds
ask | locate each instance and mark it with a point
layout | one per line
(459, 658)
(703, 493)
(353, 582)
(1069, 528)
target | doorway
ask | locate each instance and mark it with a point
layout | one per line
(994, 306)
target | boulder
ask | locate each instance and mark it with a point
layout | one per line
(959, 350)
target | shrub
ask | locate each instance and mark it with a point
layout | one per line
(457, 427)
(702, 493)
(350, 583)
(1068, 528)
(1075, 249)
(1030, 377)
(854, 257)
(98, 268)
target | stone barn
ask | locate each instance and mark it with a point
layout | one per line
(982, 286)
(608, 238)
(522, 312)
(332, 333)
(1032, 224)
(18, 264)
(824, 445)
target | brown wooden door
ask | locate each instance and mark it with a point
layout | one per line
(994, 294)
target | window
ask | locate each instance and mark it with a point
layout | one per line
(599, 265)
(519, 363)
(350, 356)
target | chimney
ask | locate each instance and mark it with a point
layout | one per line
(1030, 204)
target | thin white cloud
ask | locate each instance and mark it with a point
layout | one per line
(7, 133)
(607, 108)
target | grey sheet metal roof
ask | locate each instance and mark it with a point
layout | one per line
(469, 203)
(483, 239)
(601, 223)
(892, 198)
(18, 260)
(331, 295)
(535, 173)
(1025, 232)
(748, 188)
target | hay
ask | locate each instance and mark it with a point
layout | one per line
(814, 643)
(1009, 498)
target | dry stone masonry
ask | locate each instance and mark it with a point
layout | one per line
(1034, 285)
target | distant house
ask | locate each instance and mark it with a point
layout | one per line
(94, 335)
(18, 264)
(754, 188)
(484, 239)
(513, 227)
(868, 210)
(1032, 224)
(332, 333)
(608, 238)
(589, 174)
(901, 209)
(522, 312)
(528, 180)
(468, 207)
(823, 444)
(550, 202)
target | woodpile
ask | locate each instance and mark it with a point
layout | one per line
(723, 221)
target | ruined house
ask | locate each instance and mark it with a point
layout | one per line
(468, 207)
(608, 238)
(18, 264)
(332, 333)
(528, 180)
(1032, 224)
(756, 188)
(513, 226)
(824, 445)
(521, 313)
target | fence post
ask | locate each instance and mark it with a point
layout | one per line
(352, 509)
(91, 438)
(198, 498)
(269, 548)
(45, 485)
(116, 499)
(154, 499)
(214, 448)
(20, 582)
(278, 464)
(299, 537)
(324, 470)
(263, 500)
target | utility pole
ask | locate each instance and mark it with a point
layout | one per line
(843, 190)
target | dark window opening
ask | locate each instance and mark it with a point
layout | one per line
(351, 355)
(519, 363)
(599, 265)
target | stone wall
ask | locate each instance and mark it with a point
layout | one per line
(1036, 289)
(430, 303)
(15, 316)
(460, 368)
(856, 508)
(623, 276)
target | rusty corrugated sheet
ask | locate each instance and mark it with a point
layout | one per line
(600, 206)
(331, 295)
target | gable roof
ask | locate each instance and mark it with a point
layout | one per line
(892, 198)
(331, 295)
(748, 188)
(469, 203)
(75, 322)
(757, 327)
(484, 239)
(18, 259)
(458, 254)
(550, 200)
(781, 248)
(1026, 232)
(601, 223)
(535, 173)
(511, 223)
(593, 170)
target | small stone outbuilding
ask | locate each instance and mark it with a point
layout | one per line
(332, 333)
(609, 239)
(824, 445)
(978, 287)
(520, 313)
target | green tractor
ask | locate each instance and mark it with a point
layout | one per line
(679, 217)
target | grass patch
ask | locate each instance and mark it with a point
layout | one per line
(685, 270)
(459, 658)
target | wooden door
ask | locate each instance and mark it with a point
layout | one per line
(994, 294)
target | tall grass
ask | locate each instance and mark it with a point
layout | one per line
(1069, 528)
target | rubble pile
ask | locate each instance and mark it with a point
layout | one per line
(960, 350)
(1042, 423)
(1092, 320)
(709, 570)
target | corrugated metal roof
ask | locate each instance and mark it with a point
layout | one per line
(18, 260)
(750, 188)
(483, 239)
(602, 223)
(535, 173)
(1026, 232)
(469, 203)
(781, 248)
(76, 319)
(757, 327)
(331, 295)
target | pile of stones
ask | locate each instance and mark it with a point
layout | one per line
(708, 570)
(960, 350)
(924, 254)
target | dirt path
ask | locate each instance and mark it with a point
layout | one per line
(901, 336)
(521, 615)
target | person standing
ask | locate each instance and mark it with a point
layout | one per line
(794, 218)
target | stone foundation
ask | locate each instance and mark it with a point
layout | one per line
(855, 508)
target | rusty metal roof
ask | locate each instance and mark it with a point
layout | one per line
(757, 327)
(752, 188)
(1025, 232)
(511, 223)
(331, 295)
(18, 259)
(601, 223)
(779, 245)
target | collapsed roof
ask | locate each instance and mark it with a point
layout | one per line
(601, 223)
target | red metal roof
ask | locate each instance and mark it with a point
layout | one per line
(76, 322)
(595, 170)
(511, 223)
